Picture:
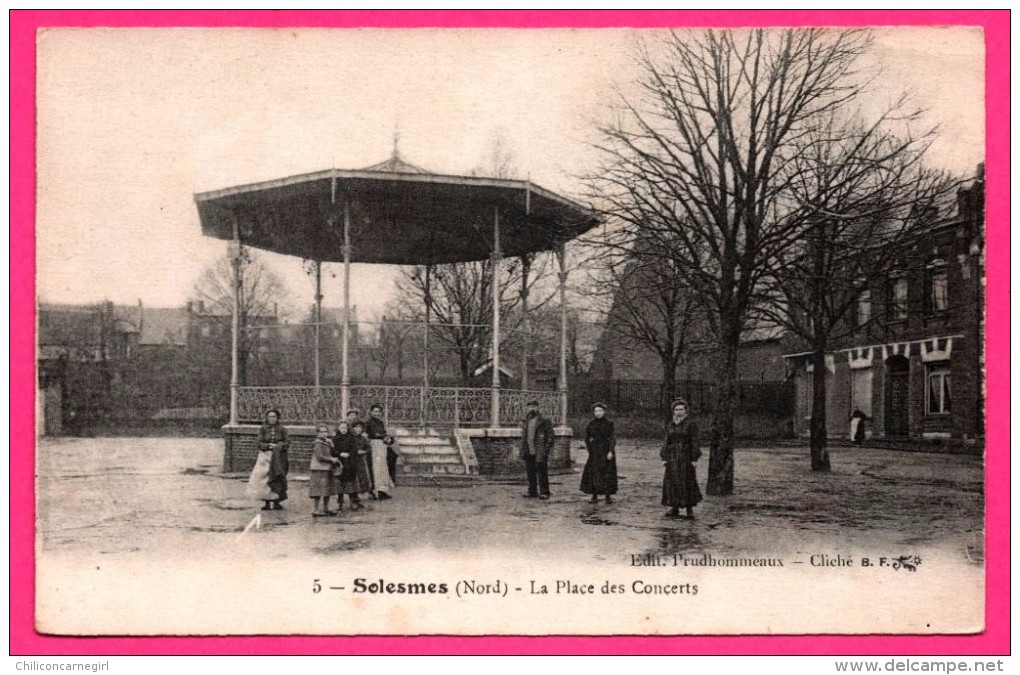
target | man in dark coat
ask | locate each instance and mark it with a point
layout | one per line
(537, 438)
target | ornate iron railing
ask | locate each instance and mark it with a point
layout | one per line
(296, 404)
(402, 405)
(513, 404)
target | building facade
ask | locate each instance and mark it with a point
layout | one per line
(913, 362)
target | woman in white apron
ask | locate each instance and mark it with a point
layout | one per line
(383, 469)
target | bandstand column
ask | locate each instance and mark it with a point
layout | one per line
(425, 345)
(235, 322)
(345, 376)
(318, 323)
(562, 255)
(496, 258)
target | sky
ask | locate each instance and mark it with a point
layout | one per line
(133, 122)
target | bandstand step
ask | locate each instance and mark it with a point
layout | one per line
(433, 468)
(432, 454)
(431, 458)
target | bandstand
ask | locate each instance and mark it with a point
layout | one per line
(396, 214)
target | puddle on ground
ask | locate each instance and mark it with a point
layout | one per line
(681, 539)
(228, 507)
(191, 471)
(595, 520)
(214, 528)
(343, 546)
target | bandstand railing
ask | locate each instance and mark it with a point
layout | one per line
(403, 405)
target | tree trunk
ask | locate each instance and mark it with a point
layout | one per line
(668, 381)
(720, 458)
(819, 453)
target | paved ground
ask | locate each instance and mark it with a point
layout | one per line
(162, 496)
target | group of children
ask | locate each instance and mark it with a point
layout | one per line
(360, 458)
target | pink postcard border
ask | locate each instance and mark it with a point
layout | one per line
(25, 641)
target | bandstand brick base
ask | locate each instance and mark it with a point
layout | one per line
(497, 450)
(241, 446)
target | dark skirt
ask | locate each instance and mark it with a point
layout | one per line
(354, 478)
(599, 476)
(279, 466)
(680, 484)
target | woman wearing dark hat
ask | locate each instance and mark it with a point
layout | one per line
(599, 477)
(679, 453)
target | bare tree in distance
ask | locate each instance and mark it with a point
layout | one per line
(500, 160)
(646, 304)
(868, 197)
(394, 340)
(459, 295)
(263, 299)
(460, 301)
(701, 169)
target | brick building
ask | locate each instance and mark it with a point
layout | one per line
(914, 366)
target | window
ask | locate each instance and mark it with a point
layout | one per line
(898, 298)
(938, 401)
(937, 297)
(864, 308)
(206, 330)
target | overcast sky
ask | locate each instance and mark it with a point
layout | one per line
(134, 122)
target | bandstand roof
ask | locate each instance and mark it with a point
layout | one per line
(399, 214)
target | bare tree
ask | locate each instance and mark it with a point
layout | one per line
(459, 297)
(262, 294)
(500, 160)
(646, 304)
(866, 196)
(393, 340)
(700, 168)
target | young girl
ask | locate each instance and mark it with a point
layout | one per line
(321, 483)
(348, 447)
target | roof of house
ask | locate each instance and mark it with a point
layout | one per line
(336, 314)
(487, 365)
(164, 326)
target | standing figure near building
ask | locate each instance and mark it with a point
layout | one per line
(348, 445)
(273, 445)
(679, 453)
(382, 447)
(599, 477)
(322, 484)
(537, 438)
(857, 420)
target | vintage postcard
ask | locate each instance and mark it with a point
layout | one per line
(508, 331)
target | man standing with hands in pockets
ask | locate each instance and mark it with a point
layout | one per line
(537, 438)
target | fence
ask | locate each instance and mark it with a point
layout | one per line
(649, 396)
(402, 404)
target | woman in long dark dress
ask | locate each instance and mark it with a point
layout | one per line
(273, 439)
(599, 477)
(679, 453)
